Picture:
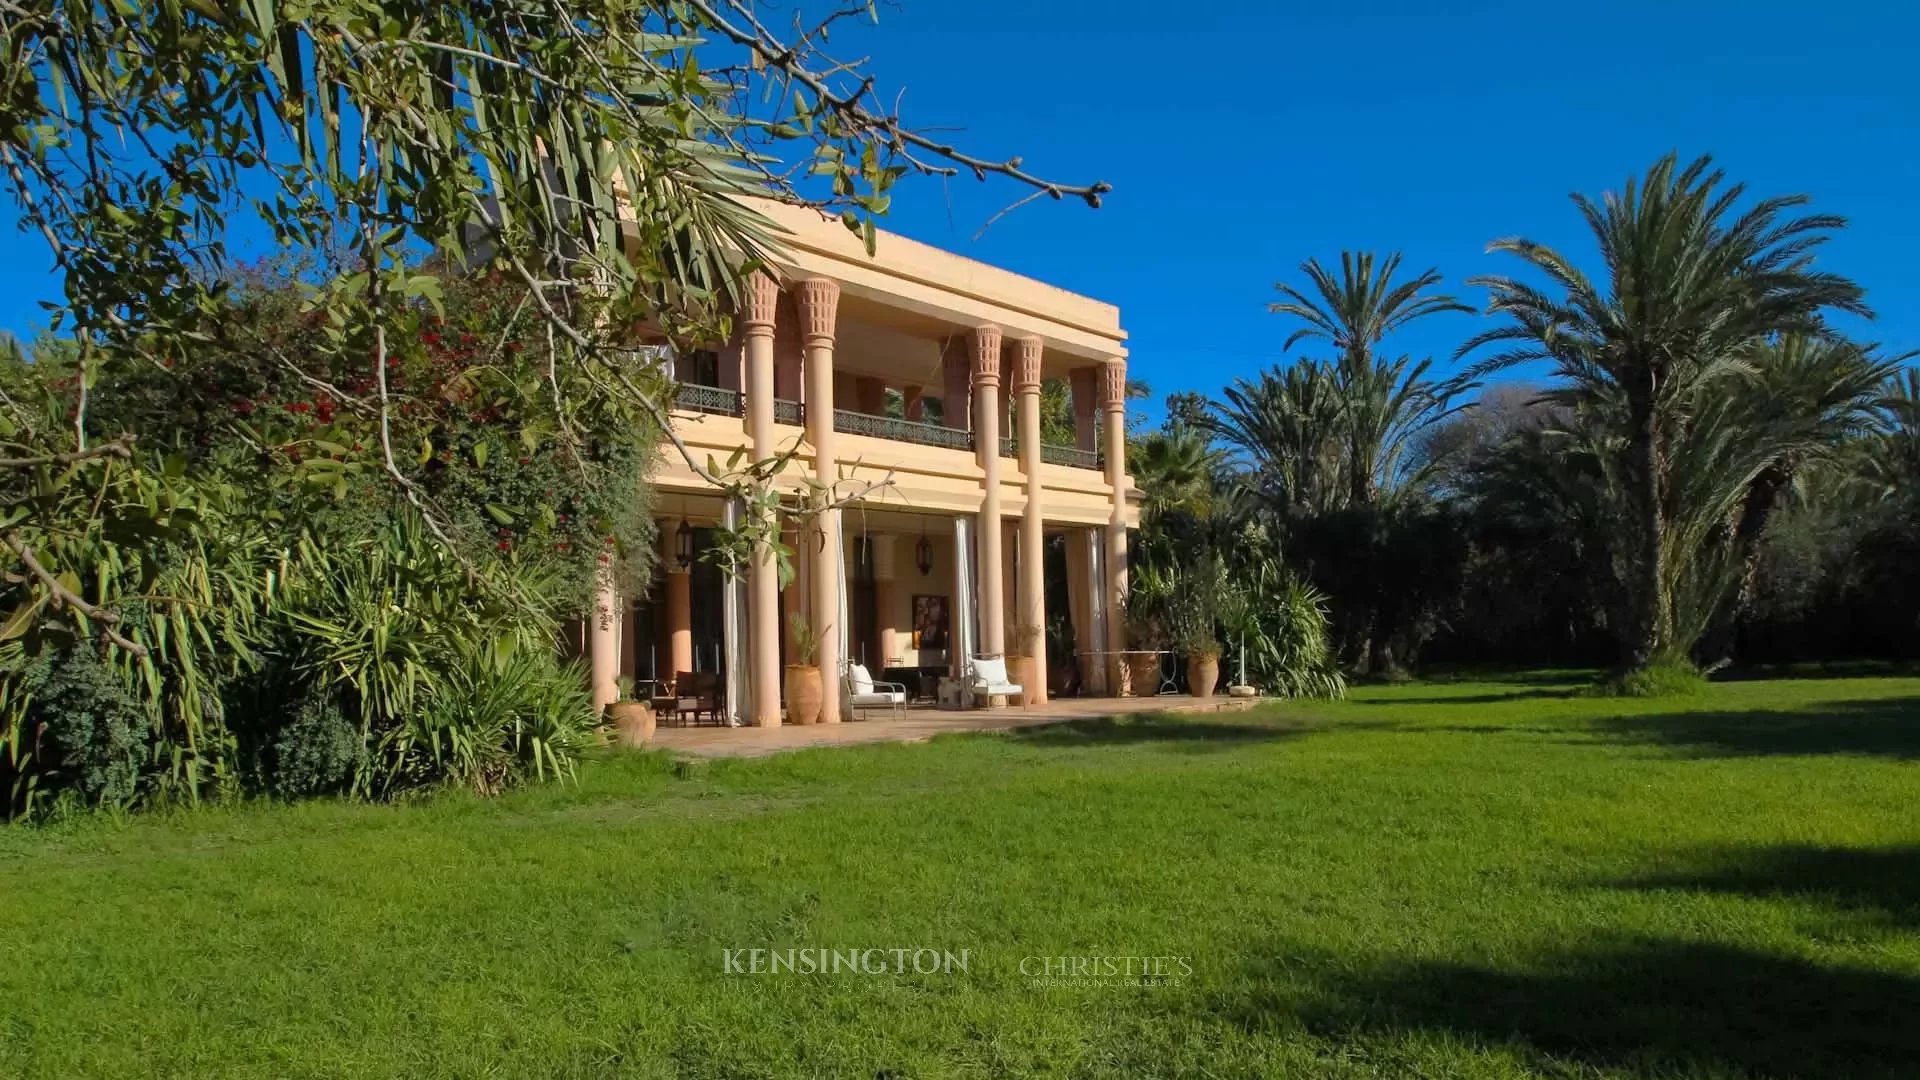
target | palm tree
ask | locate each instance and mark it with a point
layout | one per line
(1354, 312)
(1814, 396)
(1692, 290)
(1287, 428)
(1176, 470)
(1323, 439)
(1387, 406)
(1889, 468)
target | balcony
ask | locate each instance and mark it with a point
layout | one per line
(693, 397)
(714, 401)
(709, 399)
(1071, 456)
(849, 422)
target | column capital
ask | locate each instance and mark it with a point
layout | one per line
(1113, 384)
(818, 300)
(1026, 364)
(760, 299)
(986, 355)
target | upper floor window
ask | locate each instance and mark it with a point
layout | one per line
(700, 367)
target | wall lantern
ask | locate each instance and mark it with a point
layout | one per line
(683, 545)
(923, 553)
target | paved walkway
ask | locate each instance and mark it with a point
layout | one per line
(919, 725)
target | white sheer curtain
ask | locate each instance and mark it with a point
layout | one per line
(965, 607)
(1094, 671)
(841, 624)
(733, 625)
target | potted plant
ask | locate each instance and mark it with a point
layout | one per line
(633, 720)
(1023, 665)
(1143, 616)
(805, 692)
(1203, 661)
(1194, 612)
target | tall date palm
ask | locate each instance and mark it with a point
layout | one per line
(1692, 287)
(1354, 311)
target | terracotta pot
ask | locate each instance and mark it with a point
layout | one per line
(1203, 674)
(633, 723)
(1025, 671)
(1140, 675)
(805, 694)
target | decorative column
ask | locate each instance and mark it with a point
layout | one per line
(986, 444)
(763, 577)
(603, 639)
(679, 589)
(1033, 595)
(1113, 406)
(818, 300)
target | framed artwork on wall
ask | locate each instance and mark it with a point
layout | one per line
(929, 621)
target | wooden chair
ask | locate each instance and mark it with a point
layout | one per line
(699, 694)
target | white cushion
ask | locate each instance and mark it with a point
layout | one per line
(861, 679)
(989, 672)
(885, 697)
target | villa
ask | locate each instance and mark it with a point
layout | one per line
(912, 377)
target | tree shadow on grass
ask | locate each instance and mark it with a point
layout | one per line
(1516, 694)
(1886, 727)
(1499, 676)
(1163, 728)
(1640, 1006)
(1831, 669)
(1882, 884)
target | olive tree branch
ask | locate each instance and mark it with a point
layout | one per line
(64, 597)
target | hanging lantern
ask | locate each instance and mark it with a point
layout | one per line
(683, 545)
(923, 553)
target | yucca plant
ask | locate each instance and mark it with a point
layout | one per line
(451, 674)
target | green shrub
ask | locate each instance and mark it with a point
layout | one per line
(1297, 659)
(1662, 678)
(318, 752)
(84, 731)
(503, 714)
(453, 678)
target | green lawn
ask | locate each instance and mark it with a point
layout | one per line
(1465, 879)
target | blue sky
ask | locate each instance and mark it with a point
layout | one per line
(1247, 137)
(1250, 136)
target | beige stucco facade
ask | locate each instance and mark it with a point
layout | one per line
(910, 380)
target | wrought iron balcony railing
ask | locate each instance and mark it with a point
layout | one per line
(709, 399)
(912, 431)
(713, 400)
(1071, 456)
